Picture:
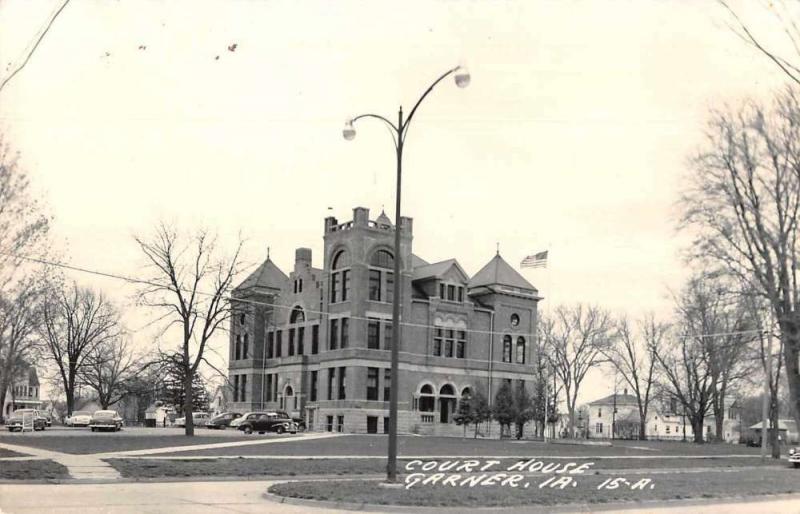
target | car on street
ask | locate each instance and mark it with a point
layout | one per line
(20, 419)
(106, 420)
(266, 422)
(300, 422)
(198, 418)
(222, 421)
(79, 418)
(794, 456)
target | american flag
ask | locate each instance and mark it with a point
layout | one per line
(538, 260)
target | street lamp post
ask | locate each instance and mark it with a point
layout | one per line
(399, 132)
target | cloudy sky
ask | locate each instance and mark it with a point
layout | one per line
(573, 135)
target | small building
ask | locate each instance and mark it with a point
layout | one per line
(787, 431)
(221, 399)
(23, 393)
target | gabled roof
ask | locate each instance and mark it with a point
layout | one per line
(437, 270)
(622, 399)
(268, 276)
(499, 272)
(417, 261)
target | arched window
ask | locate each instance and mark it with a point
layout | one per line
(381, 281)
(298, 316)
(506, 348)
(466, 393)
(382, 259)
(447, 390)
(520, 350)
(426, 399)
(340, 277)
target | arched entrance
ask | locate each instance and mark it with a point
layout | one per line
(447, 403)
(287, 401)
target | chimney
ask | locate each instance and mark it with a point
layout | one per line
(360, 217)
(302, 258)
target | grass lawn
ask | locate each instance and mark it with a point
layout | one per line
(100, 442)
(667, 486)
(375, 445)
(154, 468)
(32, 470)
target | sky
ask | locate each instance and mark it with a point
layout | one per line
(573, 136)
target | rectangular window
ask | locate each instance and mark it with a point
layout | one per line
(335, 288)
(375, 285)
(301, 335)
(329, 424)
(372, 384)
(345, 340)
(340, 423)
(314, 339)
(236, 388)
(278, 343)
(598, 428)
(372, 424)
(313, 395)
(460, 294)
(437, 343)
(389, 286)
(345, 285)
(331, 383)
(448, 343)
(342, 383)
(270, 343)
(461, 344)
(451, 293)
(441, 291)
(238, 354)
(385, 425)
(245, 348)
(334, 335)
(387, 384)
(291, 342)
(373, 334)
(268, 384)
(300, 286)
(243, 395)
(387, 336)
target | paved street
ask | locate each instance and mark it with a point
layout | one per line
(246, 496)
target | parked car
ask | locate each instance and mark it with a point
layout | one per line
(794, 456)
(222, 421)
(300, 422)
(15, 421)
(266, 422)
(198, 418)
(80, 418)
(106, 420)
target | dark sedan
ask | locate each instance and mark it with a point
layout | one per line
(266, 422)
(222, 421)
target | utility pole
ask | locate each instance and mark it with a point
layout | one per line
(767, 400)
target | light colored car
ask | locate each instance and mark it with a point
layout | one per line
(198, 418)
(80, 418)
(20, 417)
(794, 456)
(106, 420)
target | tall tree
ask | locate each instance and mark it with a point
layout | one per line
(76, 321)
(190, 284)
(503, 407)
(632, 353)
(742, 205)
(110, 369)
(20, 318)
(575, 340)
(172, 391)
(523, 408)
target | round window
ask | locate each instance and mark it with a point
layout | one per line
(514, 320)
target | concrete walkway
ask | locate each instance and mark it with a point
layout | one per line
(79, 467)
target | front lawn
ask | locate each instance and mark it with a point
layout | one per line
(32, 470)
(10, 453)
(665, 487)
(84, 442)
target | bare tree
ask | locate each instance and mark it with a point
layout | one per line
(109, 369)
(633, 354)
(190, 284)
(742, 205)
(575, 339)
(20, 318)
(76, 321)
(23, 227)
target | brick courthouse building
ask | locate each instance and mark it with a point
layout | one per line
(316, 342)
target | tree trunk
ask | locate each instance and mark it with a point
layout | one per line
(773, 426)
(697, 427)
(790, 336)
(642, 425)
(719, 415)
(187, 402)
(571, 409)
(69, 392)
(3, 388)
